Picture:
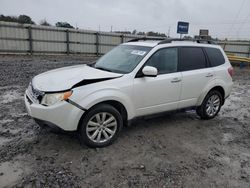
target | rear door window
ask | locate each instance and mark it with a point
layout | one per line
(192, 58)
(215, 56)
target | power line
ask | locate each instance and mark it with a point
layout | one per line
(243, 25)
(237, 15)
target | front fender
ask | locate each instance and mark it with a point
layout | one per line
(106, 95)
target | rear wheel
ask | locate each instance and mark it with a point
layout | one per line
(101, 126)
(211, 105)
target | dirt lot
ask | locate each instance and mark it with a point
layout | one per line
(175, 150)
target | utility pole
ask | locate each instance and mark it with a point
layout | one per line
(169, 31)
(111, 28)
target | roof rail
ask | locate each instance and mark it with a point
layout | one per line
(164, 40)
(172, 39)
(191, 40)
(205, 41)
(146, 38)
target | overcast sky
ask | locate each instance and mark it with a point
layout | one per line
(223, 18)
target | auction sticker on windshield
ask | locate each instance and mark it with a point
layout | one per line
(138, 52)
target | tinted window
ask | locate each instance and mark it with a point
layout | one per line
(192, 58)
(215, 56)
(165, 60)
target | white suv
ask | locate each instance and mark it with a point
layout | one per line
(137, 78)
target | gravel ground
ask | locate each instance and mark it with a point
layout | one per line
(175, 150)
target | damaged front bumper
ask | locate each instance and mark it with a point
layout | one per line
(62, 114)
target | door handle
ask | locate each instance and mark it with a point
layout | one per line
(209, 75)
(175, 80)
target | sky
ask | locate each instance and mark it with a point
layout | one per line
(224, 18)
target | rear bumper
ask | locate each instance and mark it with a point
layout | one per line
(228, 88)
(63, 114)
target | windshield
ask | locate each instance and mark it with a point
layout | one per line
(122, 59)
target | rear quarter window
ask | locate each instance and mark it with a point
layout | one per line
(192, 58)
(215, 56)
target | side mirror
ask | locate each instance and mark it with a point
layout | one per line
(150, 71)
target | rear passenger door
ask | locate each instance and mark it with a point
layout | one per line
(196, 74)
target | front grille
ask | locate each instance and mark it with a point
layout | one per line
(34, 94)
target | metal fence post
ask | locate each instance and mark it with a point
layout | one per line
(249, 52)
(97, 43)
(122, 38)
(224, 46)
(67, 41)
(30, 40)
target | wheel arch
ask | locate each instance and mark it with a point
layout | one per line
(221, 90)
(114, 103)
(214, 87)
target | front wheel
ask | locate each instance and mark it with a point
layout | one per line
(101, 126)
(211, 105)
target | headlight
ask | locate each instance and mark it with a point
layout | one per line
(50, 99)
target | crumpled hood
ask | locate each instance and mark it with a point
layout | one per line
(65, 78)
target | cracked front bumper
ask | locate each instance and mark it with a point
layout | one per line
(63, 114)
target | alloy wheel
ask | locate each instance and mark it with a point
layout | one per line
(101, 127)
(213, 105)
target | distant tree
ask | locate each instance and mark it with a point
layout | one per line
(64, 24)
(8, 18)
(156, 34)
(187, 37)
(134, 32)
(141, 33)
(24, 19)
(45, 23)
(123, 32)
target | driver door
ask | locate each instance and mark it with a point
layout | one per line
(160, 93)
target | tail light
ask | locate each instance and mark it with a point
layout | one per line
(231, 71)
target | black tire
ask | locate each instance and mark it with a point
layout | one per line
(202, 111)
(102, 108)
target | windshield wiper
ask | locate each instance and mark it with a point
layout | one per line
(102, 68)
(91, 64)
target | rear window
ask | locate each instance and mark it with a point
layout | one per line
(215, 56)
(192, 58)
